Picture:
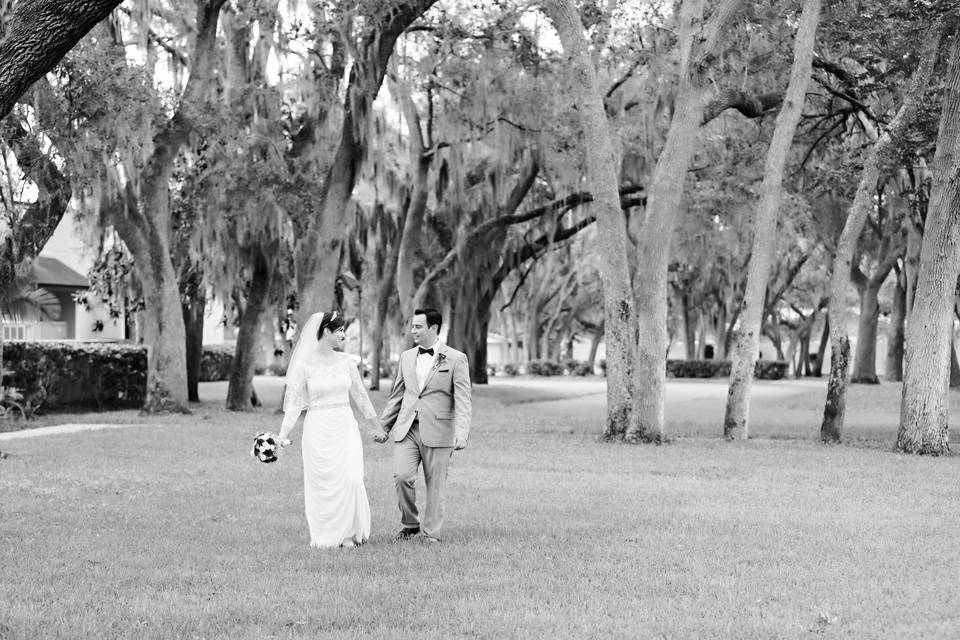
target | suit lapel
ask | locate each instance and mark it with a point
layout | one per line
(410, 368)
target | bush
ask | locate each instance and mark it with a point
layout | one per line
(510, 369)
(10, 397)
(216, 362)
(98, 375)
(543, 368)
(576, 368)
(698, 368)
(771, 369)
(764, 370)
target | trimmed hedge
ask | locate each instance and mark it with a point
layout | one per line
(543, 368)
(698, 368)
(216, 362)
(576, 367)
(551, 368)
(99, 375)
(765, 369)
(771, 369)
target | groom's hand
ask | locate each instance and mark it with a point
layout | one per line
(459, 443)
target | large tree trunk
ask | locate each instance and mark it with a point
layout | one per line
(817, 369)
(689, 328)
(954, 366)
(385, 285)
(835, 405)
(240, 386)
(533, 334)
(804, 368)
(318, 256)
(595, 339)
(924, 406)
(911, 262)
(720, 333)
(377, 342)
(735, 423)
(377, 333)
(514, 334)
(865, 356)
(409, 244)
(602, 171)
(470, 322)
(38, 34)
(663, 208)
(898, 317)
(144, 225)
(163, 327)
(193, 305)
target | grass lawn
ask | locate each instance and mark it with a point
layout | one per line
(171, 530)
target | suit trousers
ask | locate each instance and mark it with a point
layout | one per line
(408, 454)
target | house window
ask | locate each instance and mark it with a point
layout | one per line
(14, 332)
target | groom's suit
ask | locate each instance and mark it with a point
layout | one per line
(424, 423)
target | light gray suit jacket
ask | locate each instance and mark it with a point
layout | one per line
(443, 406)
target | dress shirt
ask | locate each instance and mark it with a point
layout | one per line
(424, 362)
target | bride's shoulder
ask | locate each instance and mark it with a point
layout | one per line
(345, 358)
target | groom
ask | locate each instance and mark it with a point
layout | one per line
(428, 415)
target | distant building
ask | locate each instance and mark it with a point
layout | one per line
(51, 313)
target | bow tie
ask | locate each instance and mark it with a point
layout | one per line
(423, 351)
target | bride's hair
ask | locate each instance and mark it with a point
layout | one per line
(332, 321)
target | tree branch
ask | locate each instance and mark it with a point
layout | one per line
(39, 33)
(31, 232)
(748, 105)
(851, 99)
(154, 37)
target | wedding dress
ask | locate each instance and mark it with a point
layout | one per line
(335, 498)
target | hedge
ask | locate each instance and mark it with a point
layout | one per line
(98, 375)
(764, 370)
(216, 362)
(543, 368)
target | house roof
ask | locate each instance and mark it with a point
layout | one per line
(52, 272)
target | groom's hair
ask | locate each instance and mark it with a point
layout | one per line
(433, 316)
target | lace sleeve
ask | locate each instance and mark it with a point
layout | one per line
(357, 392)
(295, 396)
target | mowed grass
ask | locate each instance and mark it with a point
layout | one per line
(171, 530)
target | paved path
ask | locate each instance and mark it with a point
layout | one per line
(65, 428)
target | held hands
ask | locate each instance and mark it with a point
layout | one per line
(459, 443)
(376, 431)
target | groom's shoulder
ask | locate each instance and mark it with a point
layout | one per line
(453, 353)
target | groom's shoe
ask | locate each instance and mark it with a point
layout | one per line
(406, 533)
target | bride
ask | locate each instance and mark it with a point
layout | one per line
(325, 382)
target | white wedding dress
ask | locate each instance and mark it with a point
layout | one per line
(338, 511)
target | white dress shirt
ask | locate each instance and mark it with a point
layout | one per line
(424, 362)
